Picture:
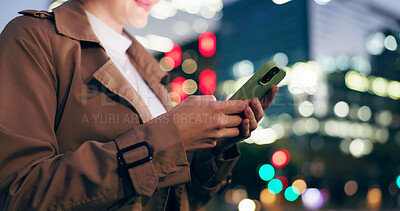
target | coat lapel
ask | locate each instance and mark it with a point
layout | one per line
(96, 63)
(111, 78)
(150, 70)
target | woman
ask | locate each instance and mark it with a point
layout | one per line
(86, 123)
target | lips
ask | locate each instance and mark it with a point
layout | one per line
(145, 4)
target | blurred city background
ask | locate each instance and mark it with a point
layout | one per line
(331, 139)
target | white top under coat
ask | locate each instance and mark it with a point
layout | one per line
(116, 45)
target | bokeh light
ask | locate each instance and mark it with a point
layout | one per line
(266, 172)
(360, 147)
(398, 181)
(167, 64)
(394, 90)
(175, 54)
(390, 43)
(189, 66)
(179, 89)
(306, 108)
(292, 193)
(181, 28)
(379, 86)
(200, 25)
(341, 109)
(189, 86)
(356, 81)
(374, 198)
(280, 1)
(384, 118)
(247, 205)
(300, 184)
(207, 44)
(243, 68)
(267, 198)
(163, 10)
(326, 194)
(279, 129)
(281, 59)
(312, 198)
(393, 189)
(351, 187)
(280, 158)
(275, 186)
(364, 113)
(235, 195)
(284, 180)
(322, 2)
(207, 82)
(311, 125)
(375, 43)
(264, 136)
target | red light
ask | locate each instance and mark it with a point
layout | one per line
(207, 44)
(280, 158)
(175, 54)
(178, 88)
(207, 82)
(284, 181)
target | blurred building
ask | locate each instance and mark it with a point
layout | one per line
(337, 114)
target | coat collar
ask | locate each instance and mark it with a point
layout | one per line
(72, 12)
(71, 21)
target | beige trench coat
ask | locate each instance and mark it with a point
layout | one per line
(66, 111)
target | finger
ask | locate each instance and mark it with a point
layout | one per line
(247, 102)
(231, 106)
(257, 109)
(269, 97)
(229, 96)
(207, 98)
(226, 133)
(245, 128)
(201, 99)
(252, 119)
(233, 121)
(207, 143)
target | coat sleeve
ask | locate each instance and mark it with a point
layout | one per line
(209, 175)
(34, 174)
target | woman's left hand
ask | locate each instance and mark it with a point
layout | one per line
(253, 113)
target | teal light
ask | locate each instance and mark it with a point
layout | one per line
(266, 172)
(275, 186)
(398, 181)
(292, 193)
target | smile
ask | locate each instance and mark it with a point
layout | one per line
(145, 4)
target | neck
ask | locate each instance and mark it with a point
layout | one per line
(101, 12)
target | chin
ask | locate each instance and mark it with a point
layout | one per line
(138, 24)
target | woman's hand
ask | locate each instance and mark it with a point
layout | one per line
(201, 120)
(253, 113)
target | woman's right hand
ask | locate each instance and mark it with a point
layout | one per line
(201, 120)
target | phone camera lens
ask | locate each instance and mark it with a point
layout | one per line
(270, 74)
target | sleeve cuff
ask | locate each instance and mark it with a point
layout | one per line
(210, 170)
(169, 165)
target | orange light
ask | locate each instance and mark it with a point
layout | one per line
(179, 88)
(207, 82)
(175, 54)
(280, 158)
(207, 44)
